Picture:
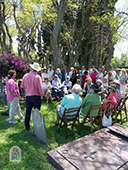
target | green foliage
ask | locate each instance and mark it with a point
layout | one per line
(34, 152)
(124, 60)
(115, 62)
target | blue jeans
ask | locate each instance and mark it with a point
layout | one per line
(31, 101)
(57, 93)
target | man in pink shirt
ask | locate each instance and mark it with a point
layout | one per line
(32, 83)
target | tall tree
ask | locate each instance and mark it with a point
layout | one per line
(55, 34)
(5, 36)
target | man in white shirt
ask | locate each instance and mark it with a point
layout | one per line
(50, 72)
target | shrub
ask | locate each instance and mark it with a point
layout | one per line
(11, 62)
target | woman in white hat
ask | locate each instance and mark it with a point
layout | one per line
(122, 79)
(47, 89)
(112, 96)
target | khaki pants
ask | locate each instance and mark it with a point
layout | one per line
(14, 107)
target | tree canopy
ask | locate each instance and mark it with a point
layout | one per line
(61, 31)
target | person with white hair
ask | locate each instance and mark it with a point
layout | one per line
(32, 83)
(66, 85)
(71, 72)
(122, 79)
(58, 73)
(86, 88)
(69, 101)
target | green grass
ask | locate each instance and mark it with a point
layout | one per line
(34, 152)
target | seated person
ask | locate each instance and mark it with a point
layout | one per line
(112, 96)
(99, 75)
(117, 83)
(69, 101)
(67, 85)
(56, 87)
(103, 91)
(105, 82)
(86, 88)
(91, 99)
(47, 89)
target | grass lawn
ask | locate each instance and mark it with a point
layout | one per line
(34, 152)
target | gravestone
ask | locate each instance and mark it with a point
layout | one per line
(101, 150)
(2, 92)
(39, 126)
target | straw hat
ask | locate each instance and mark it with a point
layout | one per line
(35, 66)
(112, 86)
(98, 80)
(45, 78)
(116, 81)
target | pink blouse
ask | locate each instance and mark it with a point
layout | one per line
(113, 98)
(11, 88)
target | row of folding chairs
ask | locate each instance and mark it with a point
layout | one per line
(95, 121)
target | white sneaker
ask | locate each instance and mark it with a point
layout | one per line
(21, 120)
(13, 121)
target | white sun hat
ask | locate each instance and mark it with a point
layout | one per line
(35, 66)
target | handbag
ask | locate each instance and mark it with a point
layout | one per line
(106, 122)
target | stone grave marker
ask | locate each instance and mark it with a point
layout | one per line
(2, 93)
(101, 150)
(39, 126)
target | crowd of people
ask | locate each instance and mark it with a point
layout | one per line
(84, 87)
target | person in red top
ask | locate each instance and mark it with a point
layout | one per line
(93, 75)
(84, 77)
(32, 83)
(112, 96)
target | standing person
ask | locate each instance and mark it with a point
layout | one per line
(113, 72)
(64, 73)
(122, 79)
(99, 75)
(13, 96)
(71, 72)
(74, 77)
(50, 72)
(93, 75)
(81, 73)
(84, 77)
(32, 83)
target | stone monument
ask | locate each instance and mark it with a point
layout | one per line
(39, 126)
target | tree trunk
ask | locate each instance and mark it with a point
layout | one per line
(54, 39)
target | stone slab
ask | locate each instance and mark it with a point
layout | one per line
(122, 130)
(39, 126)
(98, 151)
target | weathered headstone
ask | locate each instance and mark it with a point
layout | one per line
(2, 92)
(39, 126)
